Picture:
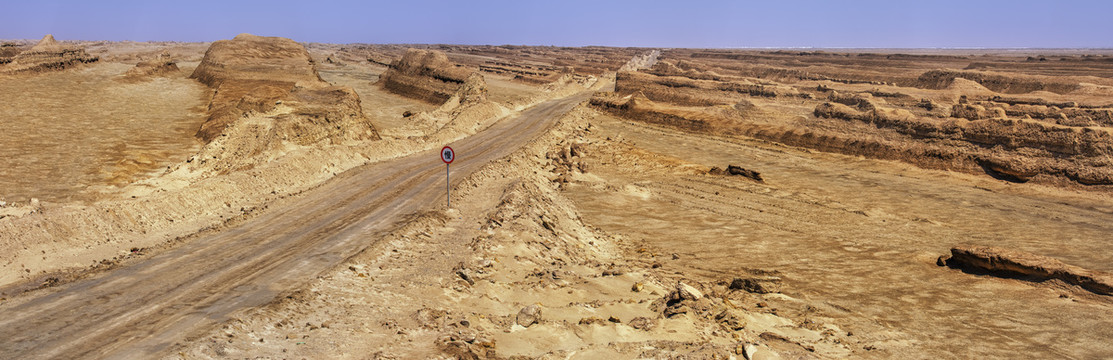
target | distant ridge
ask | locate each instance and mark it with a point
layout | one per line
(47, 55)
(47, 45)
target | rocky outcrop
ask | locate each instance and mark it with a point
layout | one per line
(976, 112)
(737, 171)
(257, 58)
(161, 66)
(1008, 84)
(643, 61)
(1026, 266)
(47, 55)
(274, 82)
(970, 136)
(426, 75)
(8, 51)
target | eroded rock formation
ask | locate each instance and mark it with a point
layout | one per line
(425, 75)
(274, 82)
(1027, 266)
(47, 55)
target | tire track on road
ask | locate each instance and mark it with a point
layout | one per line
(142, 309)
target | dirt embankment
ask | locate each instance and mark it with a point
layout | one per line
(426, 75)
(1015, 139)
(47, 55)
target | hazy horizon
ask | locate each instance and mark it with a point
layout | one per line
(959, 25)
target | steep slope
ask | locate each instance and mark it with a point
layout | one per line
(266, 94)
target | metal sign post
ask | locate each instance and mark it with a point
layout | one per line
(447, 155)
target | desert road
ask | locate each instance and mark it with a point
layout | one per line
(142, 310)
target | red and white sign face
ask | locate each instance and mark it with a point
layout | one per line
(447, 155)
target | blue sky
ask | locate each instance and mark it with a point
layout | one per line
(675, 23)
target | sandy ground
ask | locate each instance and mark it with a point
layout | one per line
(137, 128)
(383, 108)
(865, 234)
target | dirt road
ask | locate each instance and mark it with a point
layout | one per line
(140, 310)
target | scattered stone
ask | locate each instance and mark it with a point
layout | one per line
(465, 344)
(466, 276)
(465, 273)
(756, 285)
(643, 323)
(738, 171)
(749, 351)
(729, 321)
(592, 320)
(687, 292)
(612, 272)
(614, 320)
(529, 315)
(637, 287)
(430, 318)
(683, 300)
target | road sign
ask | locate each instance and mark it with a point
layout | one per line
(447, 155)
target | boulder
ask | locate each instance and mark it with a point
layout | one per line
(642, 323)
(529, 315)
(687, 292)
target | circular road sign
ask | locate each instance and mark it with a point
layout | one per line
(447, 155)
